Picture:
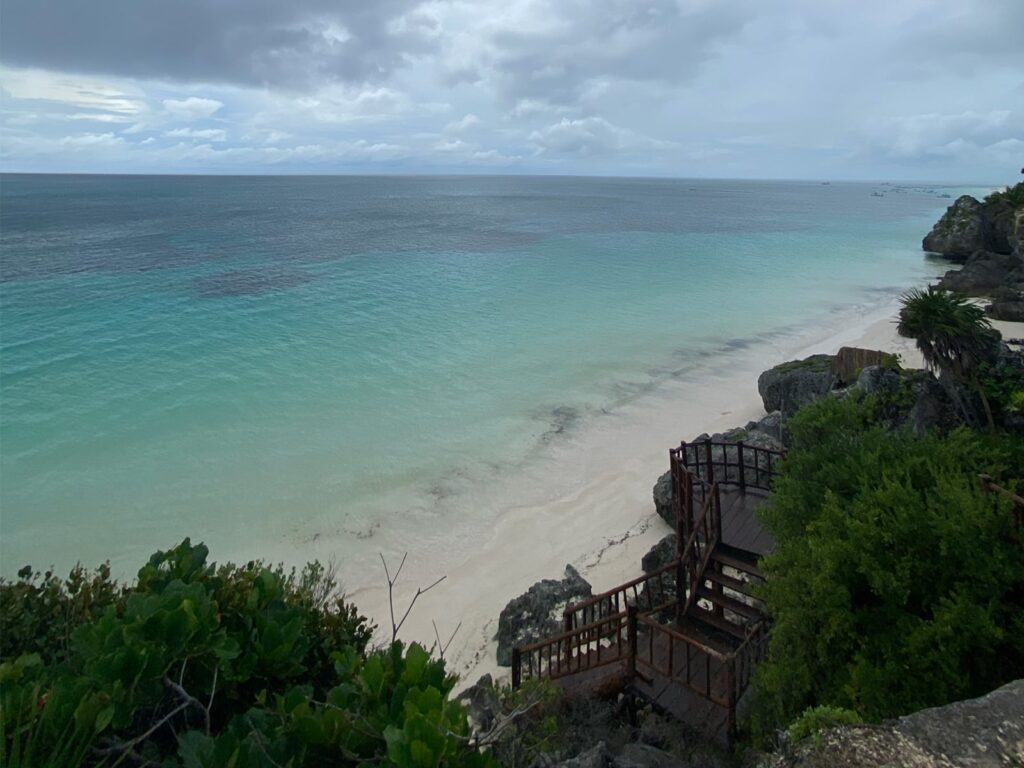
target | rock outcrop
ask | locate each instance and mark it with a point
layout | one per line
(985, 272)
(959, 232)
(769, 432)
(987, 732)
(790, 386)
(968, 226)
(537, 613)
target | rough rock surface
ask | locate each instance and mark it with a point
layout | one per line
(537, 613)
(662, 553)
(769, 432)
(968, 226)
(1007, 309)
(876, 379)
(987, 732)
(984, 273)
(789, 386)
(1016, 237)
(959, 232)
(482, 704)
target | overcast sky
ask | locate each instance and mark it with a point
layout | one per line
(822, 89)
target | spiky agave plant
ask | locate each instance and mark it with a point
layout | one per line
(953, 335)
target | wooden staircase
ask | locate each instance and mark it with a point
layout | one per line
(688, 635)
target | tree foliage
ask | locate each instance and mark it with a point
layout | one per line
(953, 335)
(197, 665)
(895, 584)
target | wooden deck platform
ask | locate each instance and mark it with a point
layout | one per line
(740, 527)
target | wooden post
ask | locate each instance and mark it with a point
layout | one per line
(631, 614)
(517, 671)
(730, 694)
(710, 475)
(742, 473)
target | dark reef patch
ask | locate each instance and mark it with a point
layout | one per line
(248, 282)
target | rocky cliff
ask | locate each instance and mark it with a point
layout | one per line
(987, 732)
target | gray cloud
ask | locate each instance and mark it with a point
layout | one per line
(291, 43)
(564, 51)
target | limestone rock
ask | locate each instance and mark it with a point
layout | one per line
(663, 499)
(987, 732)
(1012, 310)
(876, 379)
(537, 613)
(661, 554)
(932, 408)
(984, 273)
(959, 232)
(789, 386)
(482, 704)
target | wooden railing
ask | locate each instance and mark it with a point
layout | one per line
(717, 677)
(745, 466)
(583, 648)
(696, 552)
(651, 593)
(683, 660)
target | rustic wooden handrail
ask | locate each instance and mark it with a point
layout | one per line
(573, 651)
(755, 467)
(679, 668)
(696, 553)
(617, 598)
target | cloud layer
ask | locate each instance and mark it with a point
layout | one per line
(925, 89)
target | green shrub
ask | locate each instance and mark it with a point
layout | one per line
(199, 665)
(895, 584)
(814, 720)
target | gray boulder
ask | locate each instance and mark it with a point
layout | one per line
(646, 756)
(932, 406)
(987, 732)
(482, 704)
(661, 554)
(960, 231)
(537, 613)
(876, 379)
(1009, 310)
(663, 499)
(984, 273)
(790, 386)
(1016, 237)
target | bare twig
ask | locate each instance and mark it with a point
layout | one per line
(191, 700)
(392, 580)
(442, 649)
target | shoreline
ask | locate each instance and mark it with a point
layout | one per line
(603, 520)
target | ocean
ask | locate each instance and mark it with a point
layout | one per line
(265, 363)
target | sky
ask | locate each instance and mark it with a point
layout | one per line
(928, 90)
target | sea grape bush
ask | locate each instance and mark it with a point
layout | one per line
(197, 665)
(896, 583)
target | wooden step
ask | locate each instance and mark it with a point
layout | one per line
(740, 559)
(696, 613)
(706, 634)
(730, 604)
(736, 585)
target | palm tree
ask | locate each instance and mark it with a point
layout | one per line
(953, 335)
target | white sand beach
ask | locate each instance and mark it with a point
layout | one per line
(602, 518)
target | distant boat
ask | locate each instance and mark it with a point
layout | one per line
(826, 183)
(877, 194)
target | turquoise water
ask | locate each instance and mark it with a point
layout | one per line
(250, 359)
